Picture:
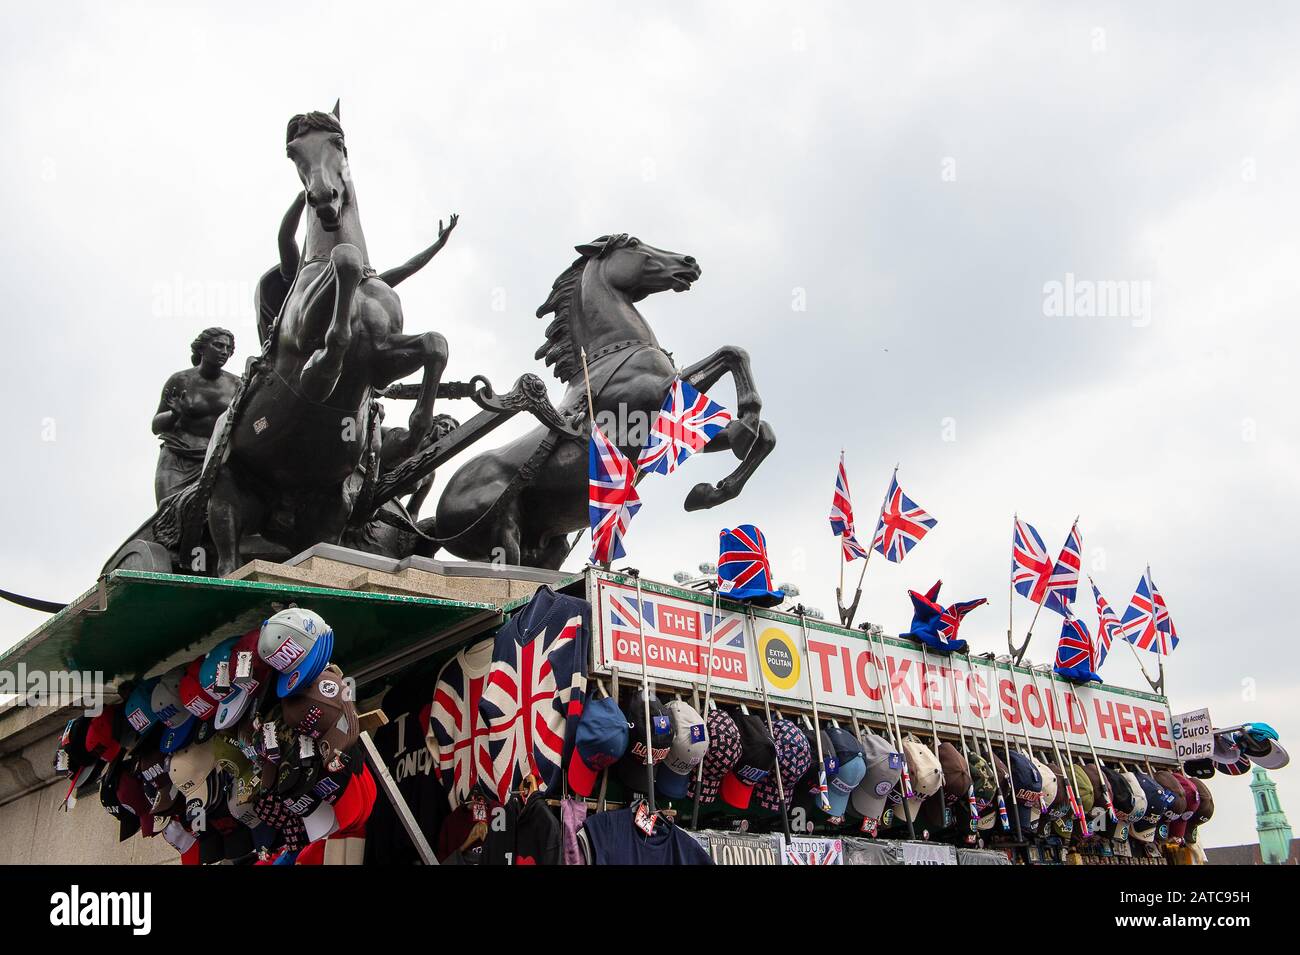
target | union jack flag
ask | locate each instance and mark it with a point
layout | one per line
(1064, 582)
(1164, 622)
(529, 697)
(842, 516)
(1074, 653)
(1031, 568)
(902, 524)
(612, 500)
(688, 420)
(1146, 622)
(1108, 626)
(457, 734)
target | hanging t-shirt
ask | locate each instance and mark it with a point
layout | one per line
(615, 840)
(401, 746)
(529, 834)
(533, 697)
(457, 734)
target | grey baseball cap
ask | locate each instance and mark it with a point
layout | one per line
(690, 743)
(884, 767)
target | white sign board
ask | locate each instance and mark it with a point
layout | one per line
(853, 675)
(802, 850)
(1193, 735)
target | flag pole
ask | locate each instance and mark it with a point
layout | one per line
(988, 743)
(1065, 729)
(847, 614)
(645, 693)
(1101, 767)
(960, 704)
(708, 695)
(887, 688)
(1006, 750)
(767, 711)
(1011, 587)
(823, 801)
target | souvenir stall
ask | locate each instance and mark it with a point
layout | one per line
(606, 719)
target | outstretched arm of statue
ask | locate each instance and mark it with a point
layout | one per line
(403, 272)
(288, 238)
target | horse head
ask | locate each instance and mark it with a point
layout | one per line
(314, 141)
(637, 268)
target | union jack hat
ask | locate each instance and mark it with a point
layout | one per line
(743, 569)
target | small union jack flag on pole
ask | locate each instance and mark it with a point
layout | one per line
(612, 500)
(842, 516)
(1031, 568)
(1109, 627)
(902, 524)
(688, 420)
(1063, 585)
(1147, 624)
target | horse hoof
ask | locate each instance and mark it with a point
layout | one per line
(705, 495)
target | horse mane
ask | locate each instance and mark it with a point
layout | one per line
(305, 122)
(559, 349)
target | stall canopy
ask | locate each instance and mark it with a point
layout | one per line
(132, 621)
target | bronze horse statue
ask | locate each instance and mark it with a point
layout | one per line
(305, 424)
(519, 502)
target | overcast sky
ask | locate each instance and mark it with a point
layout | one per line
(878, 199)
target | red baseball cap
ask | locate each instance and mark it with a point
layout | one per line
(352, 808)
(101, 740)
(193, 696)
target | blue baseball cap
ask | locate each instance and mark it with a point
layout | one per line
(178, 722)
(848, 774)
(1028, 783)
(600, 742)
(139, 711)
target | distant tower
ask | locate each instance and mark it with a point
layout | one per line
(1270, 821)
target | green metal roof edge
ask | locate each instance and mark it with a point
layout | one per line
(220, 583)
(262, 585)
(696, 596)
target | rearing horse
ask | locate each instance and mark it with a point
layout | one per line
(305, 422)
(519, 502)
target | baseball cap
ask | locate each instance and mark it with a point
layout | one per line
(1028, 785)
(297, 644)
(189, 770)
(631, 768)
(1139, 795)
(991, 816)
(599, 742)
(850, 772)
(102, 733)
(722, 756)
(193, 697)
(793, 757)
(883, 767)
(951, 803)
(321, 710)
(684, 753)
(1122, 799)
(757, 760)
(1179, 804)
(139, 711)
(128, 822)
(1191, 801)
(212, 673)
(1051, 788)
(925, 772)
(178, 722)
(131, 796)
(1205, 805)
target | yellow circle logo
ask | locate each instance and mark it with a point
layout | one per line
(778, 658)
